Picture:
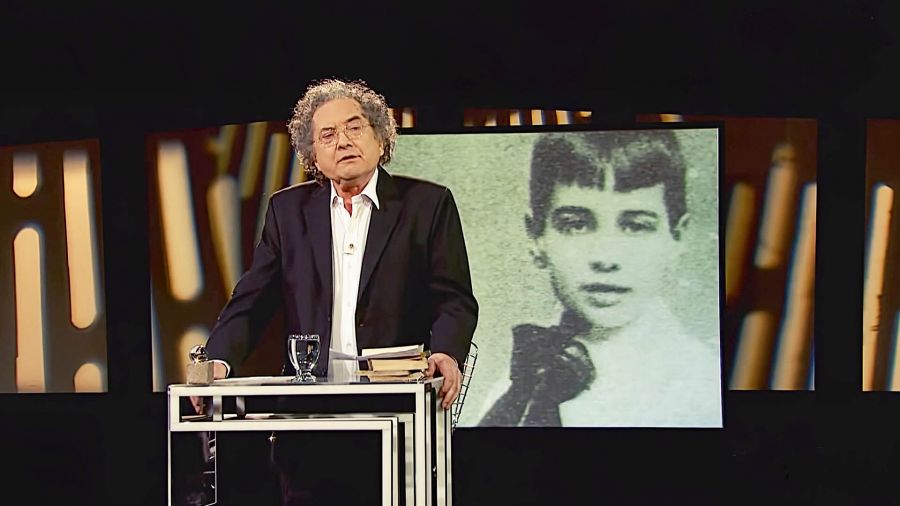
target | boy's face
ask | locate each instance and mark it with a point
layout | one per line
(607, 251)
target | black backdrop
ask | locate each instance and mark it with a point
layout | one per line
(119, 71)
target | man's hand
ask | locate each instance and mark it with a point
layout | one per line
(199, 403)
(449, 369)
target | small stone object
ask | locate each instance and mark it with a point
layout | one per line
(200, 369)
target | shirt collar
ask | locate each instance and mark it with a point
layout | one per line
(370, 190)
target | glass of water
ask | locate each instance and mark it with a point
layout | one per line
(303, 350)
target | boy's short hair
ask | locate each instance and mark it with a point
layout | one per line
(639, 159)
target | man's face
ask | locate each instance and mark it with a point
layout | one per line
(345, 159)
(607, 251)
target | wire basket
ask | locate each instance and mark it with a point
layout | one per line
(467, 371)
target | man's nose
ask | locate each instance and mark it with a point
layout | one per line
(346, 138)
(604, 267)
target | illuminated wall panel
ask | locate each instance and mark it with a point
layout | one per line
(52, 309)
(881, 297)
(769, 193)
(521, 117)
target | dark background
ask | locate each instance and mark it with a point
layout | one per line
(118, 72)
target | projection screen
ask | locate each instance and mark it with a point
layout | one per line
(594, 258)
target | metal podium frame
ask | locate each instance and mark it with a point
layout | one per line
(427, 428)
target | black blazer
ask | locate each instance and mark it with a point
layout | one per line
(414, 285)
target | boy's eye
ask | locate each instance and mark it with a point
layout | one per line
(573, 220)
(638, 222)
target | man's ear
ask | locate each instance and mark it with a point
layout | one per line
(681, 227)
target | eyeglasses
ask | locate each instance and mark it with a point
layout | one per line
(352, 129)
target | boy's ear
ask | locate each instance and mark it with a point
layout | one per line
(539, 257)
(680, 227)
(529, 225)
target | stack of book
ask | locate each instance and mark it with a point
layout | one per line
(398, 363)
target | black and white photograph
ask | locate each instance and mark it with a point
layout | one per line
(595, 262)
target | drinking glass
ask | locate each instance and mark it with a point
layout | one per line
(303, 350)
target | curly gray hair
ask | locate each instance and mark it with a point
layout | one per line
(374, 109)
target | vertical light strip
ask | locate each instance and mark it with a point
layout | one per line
(193, 336)
(178, 226)
(737, 237)
(28, 261)
(771, 245)
(408, 120)
(563, 117)
(81, 239)
(793, 344)
(26, 174)
(752, 358)
(221, 147)
(515, 117)
(491, 119)
(89, 378)
(276, 167)
(298, 171)
(252, 159)
(670, 118)
(811, 377)
(879, 235)
(894, 381)
(156, 347)
(224, 203)
(537, 117)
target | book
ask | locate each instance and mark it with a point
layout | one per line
(419, 363)
(409, 351)
(392, 375)
(387, 373)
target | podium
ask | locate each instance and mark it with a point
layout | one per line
(415, 431)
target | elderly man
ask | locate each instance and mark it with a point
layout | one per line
(360, 257)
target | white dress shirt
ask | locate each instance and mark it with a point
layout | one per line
(348, 242)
